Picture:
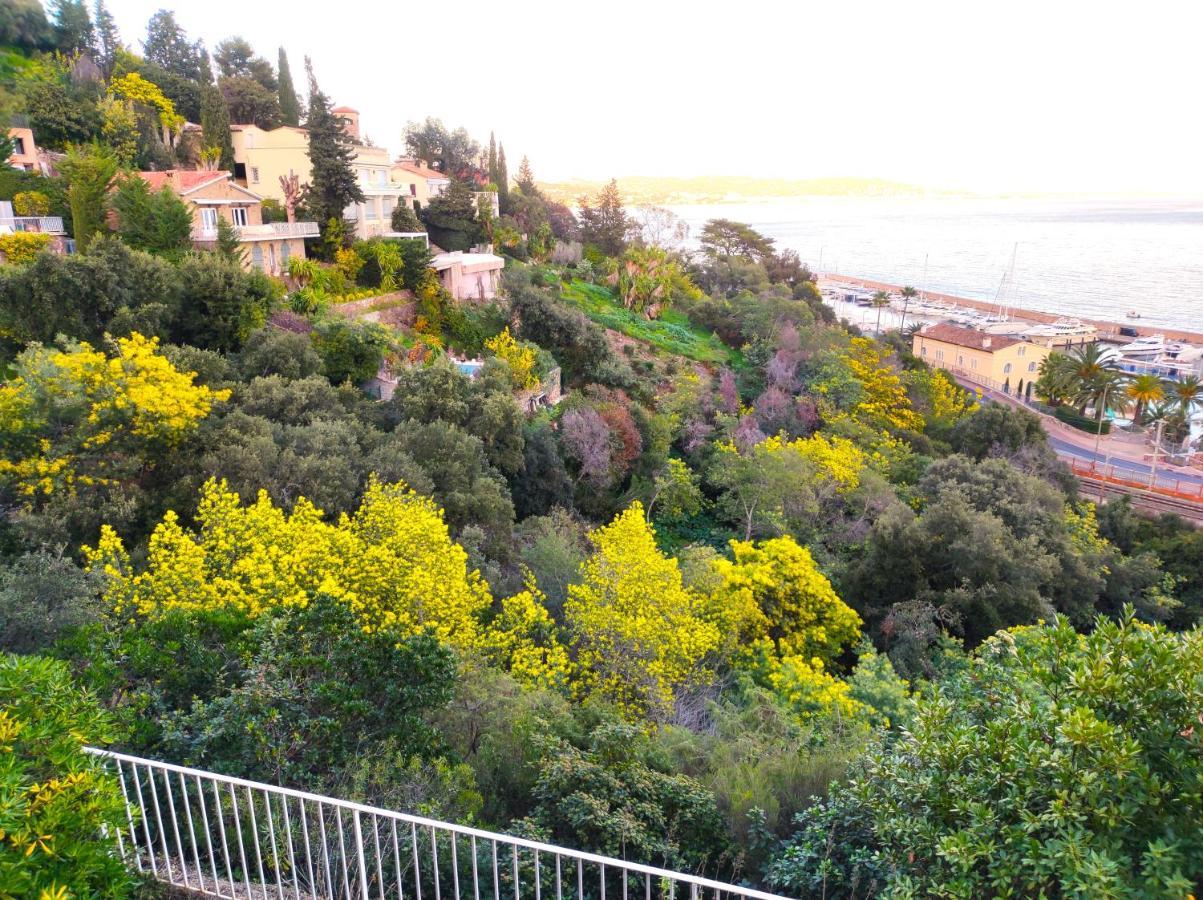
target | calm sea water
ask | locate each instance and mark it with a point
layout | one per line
(1097, 259)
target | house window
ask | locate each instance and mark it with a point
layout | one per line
(388, 207)
(973, 364)
(18, 146)
(257, 255)
(1007, 369)
(1031, 367)
(369, 209)
(351, 212)
(1023, 351)
(413, 190)
(960, 360)
(923, 351)
(285, 253)
(940, 354)
(238, 215)
(254, 174)
(271, 258)
(208, 220)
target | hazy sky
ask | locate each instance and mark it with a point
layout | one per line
(1012, 95)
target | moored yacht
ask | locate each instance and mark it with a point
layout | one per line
(1147, 347)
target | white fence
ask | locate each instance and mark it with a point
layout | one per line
(229, 837)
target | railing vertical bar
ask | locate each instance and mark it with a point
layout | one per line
(580, 879)
(624, 884)
(647, 885)
(175, 827)
(150, 844)
(342, 846)
(308, 847)
(413, 832)
(200, 872)
(603, 880)
(517, 878)
(200, 793)
(363, 863)
(292, 854)
(475, 873)
(271, 831)
(397, 859)
(154, 793)
(221, 824)
(133, 832)
(250, 802)
(379, 863)
(434, 864)
(455, 863)
(538, 880)
(559, 885)
(496, 876)
(321, 822)
(246, 870)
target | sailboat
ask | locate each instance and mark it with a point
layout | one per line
(1000, 321)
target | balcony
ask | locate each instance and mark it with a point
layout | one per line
(37, 224)
(272, 231)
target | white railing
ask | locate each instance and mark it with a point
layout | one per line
(267, 231)
(43, 224)
(295, 229)
(229, 837)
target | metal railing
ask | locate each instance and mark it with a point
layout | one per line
(229, 837)
(39, 224)
(266, 231)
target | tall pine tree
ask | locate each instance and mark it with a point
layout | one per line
(108, 41)
(526, 178)
(503, 181)
(73, 31)
(215, 123)
(290, 106)
(331, 154)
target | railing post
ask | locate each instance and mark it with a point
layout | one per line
(363, 866)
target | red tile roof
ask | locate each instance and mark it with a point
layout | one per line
(182, 180)
(418, 169)
(967, 337)
(344, 109)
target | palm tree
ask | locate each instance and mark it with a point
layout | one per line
(1058, 383)
(1144, 390)
(880, 299)
(1187, 394)
(1093, 372)
(908, 294)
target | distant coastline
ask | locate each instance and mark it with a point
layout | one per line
(1107, 330)
(672, 191)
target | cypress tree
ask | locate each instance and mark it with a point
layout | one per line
(333, 186)
(290, 107)
(492, 159)
(215, 123)
(108, 41)
(503, 181)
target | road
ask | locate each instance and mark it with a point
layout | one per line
(1165, 473)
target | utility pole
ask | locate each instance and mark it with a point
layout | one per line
(1156, 453)
(1098, 433)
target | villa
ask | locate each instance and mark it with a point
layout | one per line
(262, 157)
(372, 217)
(215, 195)
(990, 359)
(469, 276)
(420, 181)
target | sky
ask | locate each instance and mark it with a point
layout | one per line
(1048, 96)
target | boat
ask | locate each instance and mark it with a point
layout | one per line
(1061, 333)
(1148, 347)
(1133, 314)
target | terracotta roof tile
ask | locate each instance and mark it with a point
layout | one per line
(182, 180)
(418, 169)
(967, 337)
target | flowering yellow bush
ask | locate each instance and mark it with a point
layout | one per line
(773, 592)
(78, 416)
(521, 359)
(883, 402)
(522, 640)
(836, 457)
(638, 633)
(393, 562)
(136, 89)
(22, 247)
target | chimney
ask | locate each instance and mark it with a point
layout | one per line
(986, 343)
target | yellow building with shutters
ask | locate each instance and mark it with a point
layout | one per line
(990, 359)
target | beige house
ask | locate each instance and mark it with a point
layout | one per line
(469, 276)
(262, 157)
(213, 196)
(372, 167)
(419, 180)
(990, 359)
(25, 150)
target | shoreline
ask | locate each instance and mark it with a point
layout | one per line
(1107, 330)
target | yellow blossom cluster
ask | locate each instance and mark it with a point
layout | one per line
(521, 359)
(393, 562)
(884, 403)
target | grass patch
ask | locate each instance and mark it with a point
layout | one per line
(672, 332)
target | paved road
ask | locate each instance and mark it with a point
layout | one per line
(1165, 473)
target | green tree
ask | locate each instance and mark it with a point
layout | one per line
(604, 222)
(215, 124)
(350, 351)
(108, 40)
(881, 299)
(1113, 765)
(236, 58)
(451, 217)
(290, 106)
(1144, 391)
(249, 102)
(502, 181)
(405, 220)
(334, 185)
(167, 45)
(73, 31)
(57, 802)
(23, 24)
(220, 304)
(154, 221)
(89, 171)
(494, 172)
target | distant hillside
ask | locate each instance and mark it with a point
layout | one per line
(733, 189)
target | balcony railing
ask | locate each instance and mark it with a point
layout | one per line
(229, 837)
(262, 232)
(43, 224)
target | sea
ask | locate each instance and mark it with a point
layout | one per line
(1099, 258)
